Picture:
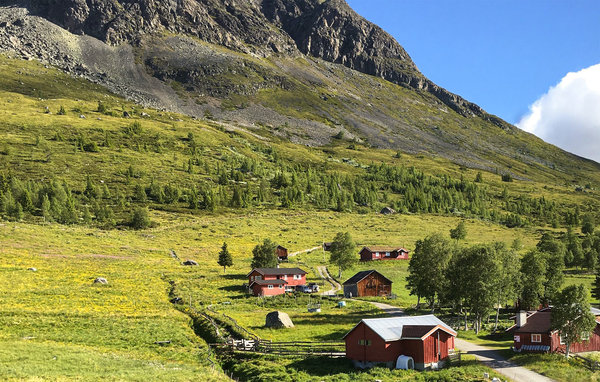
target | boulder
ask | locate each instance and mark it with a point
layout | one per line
(387, 211)
(278, 320)
(33, 269)
(100, 280)
(190, 262)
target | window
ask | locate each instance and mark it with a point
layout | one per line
(285, 277)
(364, 342)
(517, 338)
(280, 286)
(562, 340)
(269, 286)
(387, 254)
(536, 338)
(585, 336)
(297, 277)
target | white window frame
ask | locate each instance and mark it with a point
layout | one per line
(270, 286)
(585, 336)
(297, 277)
(517, 338)
(536, 336)
(387, 254)
(561, 339)
(280, 286)
(285, 277)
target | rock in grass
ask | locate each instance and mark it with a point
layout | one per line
(278, 320)
(32, 269)
(190, 262)
(100, 280)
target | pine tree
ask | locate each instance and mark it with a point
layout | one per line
(225, 259)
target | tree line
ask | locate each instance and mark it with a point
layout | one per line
(477, 280)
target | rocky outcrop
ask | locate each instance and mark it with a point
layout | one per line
(329, 30)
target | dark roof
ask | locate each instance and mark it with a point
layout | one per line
(282, 247)
(267, 282)
(383, 248)
(278, 271)
(539, 322)
(361, 275)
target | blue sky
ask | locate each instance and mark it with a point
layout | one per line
(502, 54)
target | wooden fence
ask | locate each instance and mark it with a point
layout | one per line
(300, 348)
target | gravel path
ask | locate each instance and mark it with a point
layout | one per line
(335, 286)
(496, 361)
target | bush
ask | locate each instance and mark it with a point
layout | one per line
(507, 178)
(140, 218)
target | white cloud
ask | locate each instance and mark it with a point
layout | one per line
(568, 115)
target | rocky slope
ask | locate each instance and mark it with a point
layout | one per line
(329, 30)
(303, 69)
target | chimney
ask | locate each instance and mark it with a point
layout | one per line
(521, 318)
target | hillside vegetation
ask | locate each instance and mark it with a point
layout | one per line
(75, 170)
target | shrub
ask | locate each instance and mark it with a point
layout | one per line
(140, 218)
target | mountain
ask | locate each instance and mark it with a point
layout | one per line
(305, 70)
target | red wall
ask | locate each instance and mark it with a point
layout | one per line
(526, 340)
(593, 344)
(263, 290)
(430, 344)
(365, 255)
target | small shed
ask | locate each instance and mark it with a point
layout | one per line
(327, 246)
(426, 340)
(367, 283)
(282, 252)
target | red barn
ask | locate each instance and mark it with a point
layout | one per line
(383, 253)
(274, 281)
(425, 339)
(367, 283)
(282, 253)
(532, 333)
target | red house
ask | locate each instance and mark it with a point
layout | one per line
(282, 253)
(274, 281)
(532, 333)
(425, 341)
(383, 253)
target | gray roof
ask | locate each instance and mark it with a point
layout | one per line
(390, 328)
(595, 311)
(278, 271)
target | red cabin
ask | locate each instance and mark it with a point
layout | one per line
(383, 253)
(533, 333)
(425, 340)
(274, 281)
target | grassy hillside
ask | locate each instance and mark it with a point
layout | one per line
(73, 167)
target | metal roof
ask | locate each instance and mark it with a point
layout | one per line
(384, 248)
(390, 328)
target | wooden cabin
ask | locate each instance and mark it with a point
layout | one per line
(367, 283)
(533, 332)
(425, 339)
(383, 253)
(282, 253)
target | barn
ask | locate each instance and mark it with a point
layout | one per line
(367, 283)
(383, 253)
(274, 281)
(533, 332)
(425, 339)
(282, 253)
